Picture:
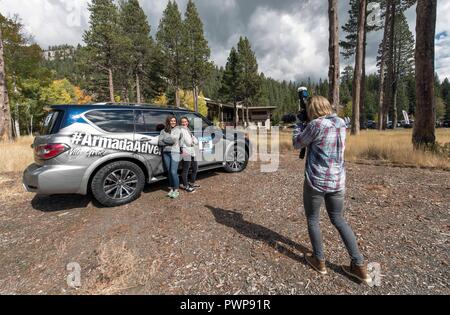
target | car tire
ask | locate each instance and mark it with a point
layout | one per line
(233, 160)
(118, 183)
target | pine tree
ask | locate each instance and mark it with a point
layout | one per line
(213, 83)
(384, 52)
(445, 94)
(394, 19)
(104, 40)
(403, 60)
(5, 113)
(249, 83)
(334, 70)
(411, 92)
(351, 29)
(424, 126)
(170, 40)
(231, 82)
(359, 63)
(349, 46)
(197, 52)
(135, 26)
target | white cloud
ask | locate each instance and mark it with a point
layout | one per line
(290, 45)
(290, 37)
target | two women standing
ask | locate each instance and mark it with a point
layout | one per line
(178, 145)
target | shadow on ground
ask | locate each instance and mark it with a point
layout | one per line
(236, 221)
(56, 203)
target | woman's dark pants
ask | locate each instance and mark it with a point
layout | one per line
(334, 202)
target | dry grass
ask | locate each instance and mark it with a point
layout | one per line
(396, 147)
(117, 270)
(16, 156)
(389, 147)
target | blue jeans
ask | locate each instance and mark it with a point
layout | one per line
(171, 162)
(335, 207)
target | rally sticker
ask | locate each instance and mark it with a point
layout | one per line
(126, 145)
(206, 144)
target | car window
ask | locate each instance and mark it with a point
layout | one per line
(116, 121)
(150, 121)
(50, 121)
(192, 118)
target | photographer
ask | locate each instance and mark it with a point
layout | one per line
(324, 136)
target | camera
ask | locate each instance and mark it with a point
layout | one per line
(302, 116)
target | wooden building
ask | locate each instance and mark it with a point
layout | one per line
(225, 113)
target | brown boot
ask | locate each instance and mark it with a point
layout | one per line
(359, 272)
(316, 264)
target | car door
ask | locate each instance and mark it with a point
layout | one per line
(148, 126)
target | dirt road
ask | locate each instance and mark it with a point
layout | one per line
(239, 234)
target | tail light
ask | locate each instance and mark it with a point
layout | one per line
(50, 151)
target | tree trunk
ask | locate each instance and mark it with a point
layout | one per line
(389, 85)
(362, 102)
(16, 124)
(395, 84)
(236, 114)
(111, 85)
(177, 96)
(248, 115)
(359, 60)
(424, 126)
(138, 89)
(362, 99)
(5, 113)
(394, 108)
(381, 114)
(334, 71)
(195, 95)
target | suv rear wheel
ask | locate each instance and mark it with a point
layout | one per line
(236, 160)
(118, 183)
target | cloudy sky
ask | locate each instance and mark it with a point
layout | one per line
(290, 37)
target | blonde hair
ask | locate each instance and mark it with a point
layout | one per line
(318, 106)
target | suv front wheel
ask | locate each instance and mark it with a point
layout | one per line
(118, 183)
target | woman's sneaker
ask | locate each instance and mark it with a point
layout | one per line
(196, 186)
(170, 194)
(359, 272)
(190, 189)
(316, 264)
(175, 195)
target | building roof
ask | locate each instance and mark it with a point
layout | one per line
(239, 105)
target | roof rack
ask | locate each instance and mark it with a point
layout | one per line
(137, 104)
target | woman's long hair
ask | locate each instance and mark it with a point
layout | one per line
(184, 118)
(168, 127)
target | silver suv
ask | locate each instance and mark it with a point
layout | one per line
(112, 151)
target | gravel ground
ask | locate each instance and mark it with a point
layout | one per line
(239, 234)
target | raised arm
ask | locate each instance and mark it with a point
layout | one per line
(302, 139)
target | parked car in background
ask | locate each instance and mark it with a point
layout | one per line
(371, 124)
(446, 123)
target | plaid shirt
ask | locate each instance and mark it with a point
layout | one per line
(325, 165)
